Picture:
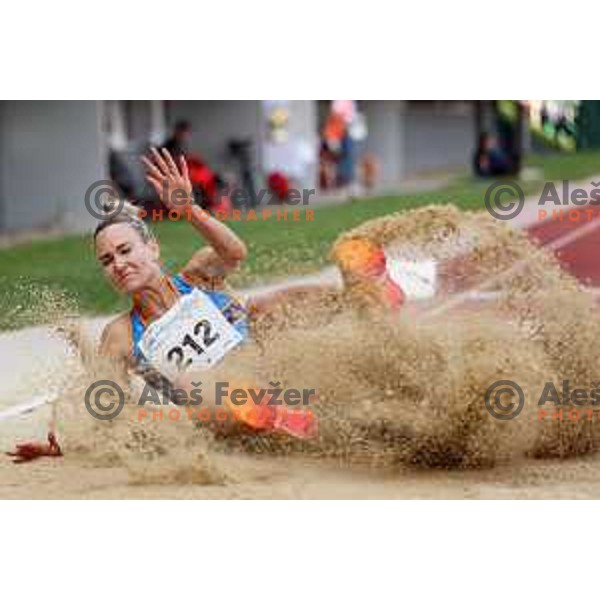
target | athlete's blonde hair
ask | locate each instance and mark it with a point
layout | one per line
(128, 214)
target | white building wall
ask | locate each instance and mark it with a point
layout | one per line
(50, 153)
(214, 122)
(438, 136)
(386, 125)
(298, 156)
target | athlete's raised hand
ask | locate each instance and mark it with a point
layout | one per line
(170, 179)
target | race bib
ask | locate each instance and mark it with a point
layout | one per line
(193, 334)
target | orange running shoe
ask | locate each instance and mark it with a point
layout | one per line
(364, 264)
(264, 417)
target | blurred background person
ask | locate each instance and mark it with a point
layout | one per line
(179, 142)
(490, 158)
(207, 185)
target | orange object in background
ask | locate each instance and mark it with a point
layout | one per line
(202, 176)
(369, 171)
(334, 130)
(205, 179)
(279, 185)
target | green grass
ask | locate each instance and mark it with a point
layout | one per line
(573, 165)
(276, 249)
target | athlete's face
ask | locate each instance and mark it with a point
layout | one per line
(129, 263)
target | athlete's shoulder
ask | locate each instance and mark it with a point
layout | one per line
(116, 337)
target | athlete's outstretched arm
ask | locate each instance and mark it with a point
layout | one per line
(172, 184)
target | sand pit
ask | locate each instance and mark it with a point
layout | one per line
(401, 405)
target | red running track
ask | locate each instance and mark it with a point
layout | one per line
(574, 237)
